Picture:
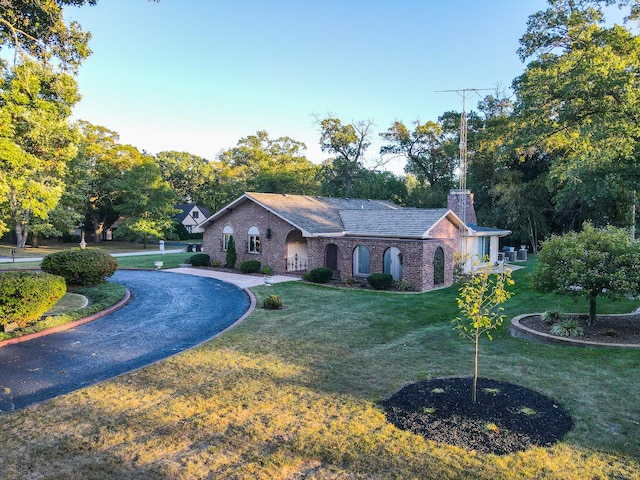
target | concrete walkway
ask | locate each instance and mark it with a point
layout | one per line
(128, 254)
(238, 279)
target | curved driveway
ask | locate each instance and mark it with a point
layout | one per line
(168, 313)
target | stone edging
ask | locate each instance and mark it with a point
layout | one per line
(520, 331)
(67, 326)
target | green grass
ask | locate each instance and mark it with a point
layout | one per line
(294, 393)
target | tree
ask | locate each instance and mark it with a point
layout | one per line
(35, 104)
(577, 101)
(479, 303)
(594, 262)
(348, 143)
(428, 159)
(189, 175)
(260, 164)
(145, 202)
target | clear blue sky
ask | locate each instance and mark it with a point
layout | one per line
(198, 75)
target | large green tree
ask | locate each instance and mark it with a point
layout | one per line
(348, 143)
(261, 164)
(578, 101)
(428, 158)
(36, 103)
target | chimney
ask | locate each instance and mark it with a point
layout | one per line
(461, 202)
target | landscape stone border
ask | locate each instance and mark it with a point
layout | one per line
(518, 330)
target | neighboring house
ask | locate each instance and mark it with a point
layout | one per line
(353, 237)
(192, 217)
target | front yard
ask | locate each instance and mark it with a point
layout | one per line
(295, 394)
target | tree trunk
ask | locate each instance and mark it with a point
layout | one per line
(592, 309)
(21, 235)
(475, 372)
(97, 229)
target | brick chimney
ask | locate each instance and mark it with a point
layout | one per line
(459, 199)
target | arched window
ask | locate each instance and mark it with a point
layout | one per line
(392, 263)
(331, 256)
(361, 260)
(438, 266)
(254, 240)
(227, 233)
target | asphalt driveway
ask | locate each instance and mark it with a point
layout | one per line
(168, 313)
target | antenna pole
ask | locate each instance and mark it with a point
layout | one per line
(462, 205)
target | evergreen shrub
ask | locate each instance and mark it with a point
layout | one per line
(80, 266)
(200, 260)
(380, 281)
(250, 266)
(25, 296)
(272, 302)
(319, 275)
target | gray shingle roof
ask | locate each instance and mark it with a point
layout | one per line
(403, 223)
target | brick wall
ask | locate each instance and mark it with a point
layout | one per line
(241, 218)
(457, 199)
(417, 254)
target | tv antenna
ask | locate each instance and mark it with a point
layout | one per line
(462, 204)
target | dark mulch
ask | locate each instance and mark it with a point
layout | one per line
(607, 329)
(506, 418)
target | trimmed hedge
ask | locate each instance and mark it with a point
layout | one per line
(319, 275)
(250, 266)
(25, 296)
(80, 266)
(200, 260)
(380, 281)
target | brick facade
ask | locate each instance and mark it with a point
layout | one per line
(417, 255)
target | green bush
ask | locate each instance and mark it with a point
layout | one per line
(272, 302)
(250, 266)
(551, 317)
(200, 260)
(266, 270)
(232, 256)
(79, 266)
(567, 328)
(319, 275)
(25, 296)
(380, 281)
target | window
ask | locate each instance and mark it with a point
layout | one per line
(195, 214)
(254, 240)
(361, 260)
(227, 233)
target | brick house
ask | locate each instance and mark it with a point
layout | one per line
(353, 237)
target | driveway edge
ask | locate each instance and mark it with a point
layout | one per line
(67, 326)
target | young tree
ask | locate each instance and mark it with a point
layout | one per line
(232, 255)
(479, 303)
(591, 263)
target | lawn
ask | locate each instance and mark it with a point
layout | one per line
(294, 394)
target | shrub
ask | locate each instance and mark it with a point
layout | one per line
(232, 256)
(200, 260)
(272, 302)
(25, 296)
(319, 275)
(266, 270)
(551, 317)
(403, 286)
(80, 266)
(380, 281)
(567, 328)
(250, 266)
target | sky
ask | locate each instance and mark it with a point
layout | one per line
(199, 75)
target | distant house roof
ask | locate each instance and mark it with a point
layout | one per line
(328, 216)
(186, 208)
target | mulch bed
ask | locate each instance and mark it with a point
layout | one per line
(607, 329)
(506, 418)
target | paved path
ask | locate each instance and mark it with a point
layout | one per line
(168, 314)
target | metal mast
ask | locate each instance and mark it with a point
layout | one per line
(462, 205)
